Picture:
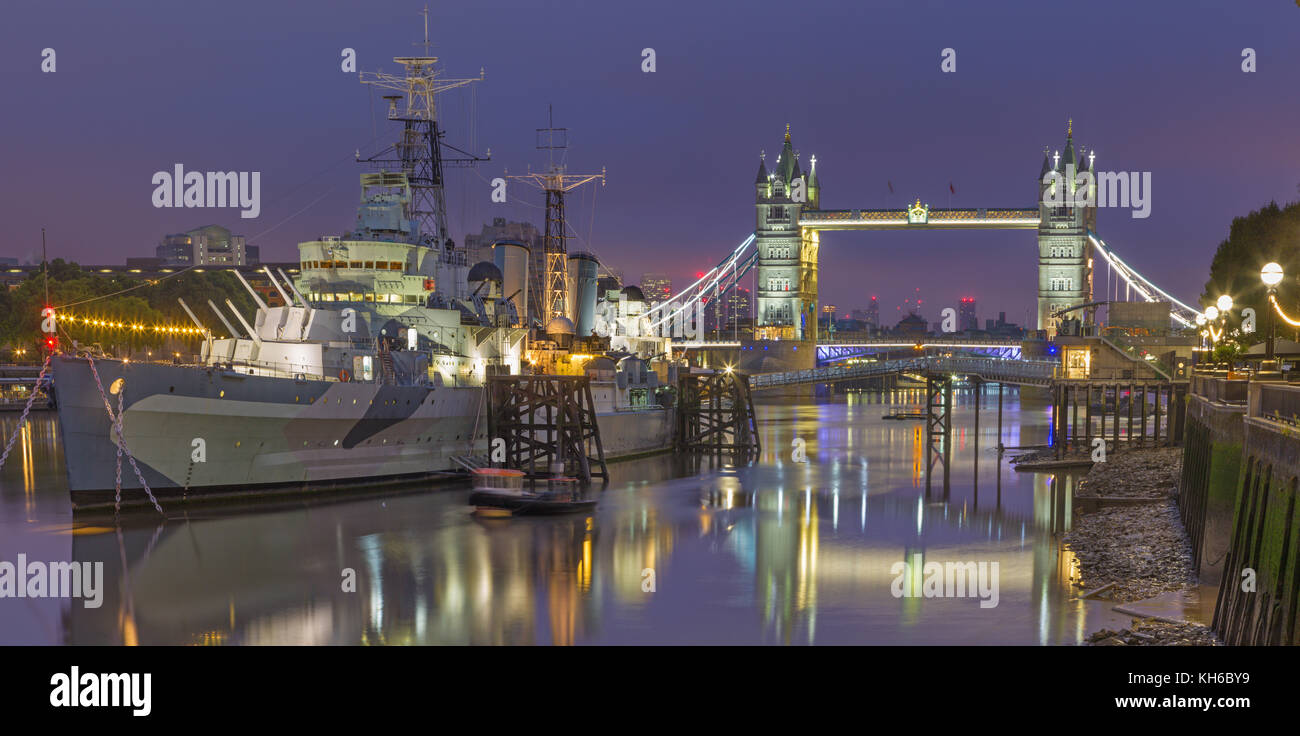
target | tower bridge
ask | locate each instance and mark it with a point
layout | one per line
(784, 253)
(790, 220)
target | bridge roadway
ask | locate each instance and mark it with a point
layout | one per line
(996, 370)
(927, 342)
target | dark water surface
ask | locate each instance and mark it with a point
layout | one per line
(776, 553)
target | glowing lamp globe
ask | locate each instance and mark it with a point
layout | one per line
(1200, 319)
(1271, 274)
(1225, 303)
(1211, 313)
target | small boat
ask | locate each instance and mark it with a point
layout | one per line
(904, 415)
(501, 492)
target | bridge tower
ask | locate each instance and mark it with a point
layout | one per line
(1066, 215)
(786, 307)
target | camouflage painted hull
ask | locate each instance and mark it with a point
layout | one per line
(206, 431)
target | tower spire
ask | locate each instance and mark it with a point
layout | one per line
(787, 132)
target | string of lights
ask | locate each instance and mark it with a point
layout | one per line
(129, 326)
(1278, 308)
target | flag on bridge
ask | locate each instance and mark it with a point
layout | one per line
(891, 187)
(950, 189)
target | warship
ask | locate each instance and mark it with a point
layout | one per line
(373, 371)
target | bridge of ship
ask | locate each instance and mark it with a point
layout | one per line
(993, 370)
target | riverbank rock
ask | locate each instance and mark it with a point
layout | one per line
(1140, 550)
(1135, 474)
(1150, 632)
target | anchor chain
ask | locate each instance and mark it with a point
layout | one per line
(122, 449)
(26, 410)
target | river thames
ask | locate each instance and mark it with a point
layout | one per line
(778, 552)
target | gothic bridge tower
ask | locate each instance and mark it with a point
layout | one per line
(786, 307)
(1066, 213)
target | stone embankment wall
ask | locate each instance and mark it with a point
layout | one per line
(1238, 501)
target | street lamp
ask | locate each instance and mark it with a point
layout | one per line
(1214, 314)
(1271, 274)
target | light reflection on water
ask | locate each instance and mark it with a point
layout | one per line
(777, 552)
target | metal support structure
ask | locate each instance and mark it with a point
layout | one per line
(715, 414)
(975, 440)
(419, 151)
(555, 292)
(546, 421)
(1000, 385)
(938, 426)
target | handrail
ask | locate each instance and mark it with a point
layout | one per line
(1127, 351)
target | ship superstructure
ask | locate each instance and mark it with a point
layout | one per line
(371, 373)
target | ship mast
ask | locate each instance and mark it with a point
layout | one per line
(555, 289)
(420, 151)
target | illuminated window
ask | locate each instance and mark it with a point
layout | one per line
(395, 265)
(370, 264)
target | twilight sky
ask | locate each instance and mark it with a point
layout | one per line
(241, 85)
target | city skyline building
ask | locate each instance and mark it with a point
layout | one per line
(657, 287)
(966, 319)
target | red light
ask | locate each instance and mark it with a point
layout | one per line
(699, 274)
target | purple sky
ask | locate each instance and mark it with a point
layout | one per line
(257, 86)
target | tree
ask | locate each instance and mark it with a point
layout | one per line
(1271, 233)
(116, 300)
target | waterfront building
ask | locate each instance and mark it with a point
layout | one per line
(210, 245)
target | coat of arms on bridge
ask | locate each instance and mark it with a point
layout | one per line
(918, 214)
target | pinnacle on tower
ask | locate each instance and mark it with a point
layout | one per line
(762, 170)
(1069, 143)
(785, 163)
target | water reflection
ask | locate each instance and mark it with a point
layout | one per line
(777, 552)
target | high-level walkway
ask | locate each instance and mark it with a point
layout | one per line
(1019, 372)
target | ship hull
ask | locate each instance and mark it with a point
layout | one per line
(209, 433)
(200, 431)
